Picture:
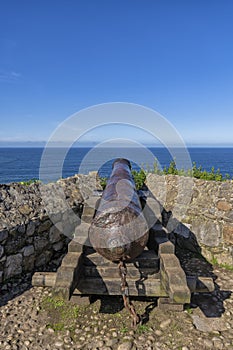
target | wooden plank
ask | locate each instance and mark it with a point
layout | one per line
(68, 276)
(44, 279)
(148, 259)
(166, 304)
(150, 287)
(173, 279)
(70, 259)
(113, 272)
(80, 238)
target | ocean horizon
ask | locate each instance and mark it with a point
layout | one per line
(23, 163)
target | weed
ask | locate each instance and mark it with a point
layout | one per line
(142, 328)
(29, 182)
(124, 330)
(214, 261)
(103, 182)
(62, 314)
(139, 178)
(189, 310)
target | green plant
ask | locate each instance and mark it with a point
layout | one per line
(142, 328)
(139, 178)
(226, 266)
(189, 310)
(124, 330)
(61, 313)
(214, 261)
(29, 182)
(197, 172)
(103, 182)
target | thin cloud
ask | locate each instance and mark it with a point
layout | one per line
(9, 76)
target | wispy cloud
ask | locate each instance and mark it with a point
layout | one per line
(9, 76)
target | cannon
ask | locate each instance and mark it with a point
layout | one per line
(119, 231)
(112, 241)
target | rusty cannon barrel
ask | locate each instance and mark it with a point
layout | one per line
(119, 230)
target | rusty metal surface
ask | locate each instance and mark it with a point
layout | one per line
(119, 230)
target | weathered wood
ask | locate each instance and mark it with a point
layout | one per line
(68, 275)
(149, 287)
(200, 284)
(166, 304)
(80, 238)
(173, 279)
(44, 279)
(113, 272)
(88, 213)
(147, 259)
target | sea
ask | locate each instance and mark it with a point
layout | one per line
(24, 164)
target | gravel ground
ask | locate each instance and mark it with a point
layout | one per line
(32, 319)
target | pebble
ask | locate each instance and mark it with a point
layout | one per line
(125, 346)
(158, 332)
(208, 344)
(58, 344)
(23, 327)
(165, 323)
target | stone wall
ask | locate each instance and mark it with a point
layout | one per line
(37, 223)
(204, 208)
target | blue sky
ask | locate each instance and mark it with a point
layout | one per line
(58, 57)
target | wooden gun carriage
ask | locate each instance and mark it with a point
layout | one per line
(153, 269)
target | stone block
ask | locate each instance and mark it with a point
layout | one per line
(40, 243)
(14, 243)
(207, 232)
(1, 251)
(13, 265)
(43, 258)
(28, 250)
(21, 229)
(31, 228)
(54, 234)
(25, 209)
(28, 263)
(224, 205)
(58, 246)
(228, 233)
(44, 226)
(55, 218)
(3, 235)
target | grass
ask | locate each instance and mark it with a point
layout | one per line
(124, 330)
(189, 310)
(29, 182)
(214, 261)
(142, 328)
(62, 314)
